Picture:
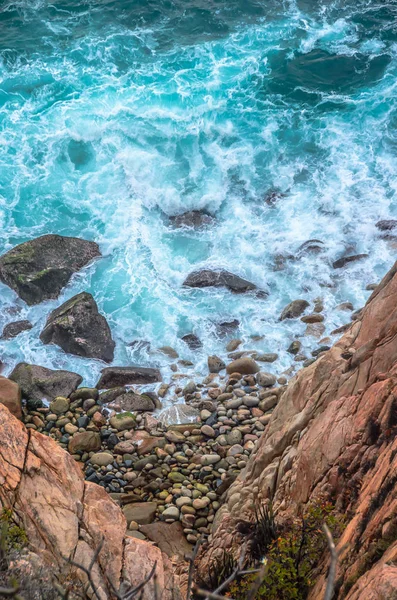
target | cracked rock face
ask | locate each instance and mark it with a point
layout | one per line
(333, 433)
(64, 516)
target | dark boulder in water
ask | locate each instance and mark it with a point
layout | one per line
(193, 219)
(38, 382)
(78, 328)
(218, 278)
(386, 224)
(13, 329)
(310, 247)
(80, 153)
(281, 260)
(272, 196)
(227, 327)
(345, 260)
(294, 309)
(38, 270)
(118, 376)
(192, 341)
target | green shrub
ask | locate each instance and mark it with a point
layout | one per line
(293, 557)
(12, 537)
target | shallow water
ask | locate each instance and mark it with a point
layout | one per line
(115, 115)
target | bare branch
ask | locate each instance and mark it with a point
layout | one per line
(131, 593)
(332, 569)
(211, 595)
(156, 586)
(192, 558)
(216, 593)
(88, 571)
(11, 592)
(257, 582)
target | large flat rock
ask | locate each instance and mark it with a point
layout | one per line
(169, 537)
(118, 376)
(38, 382)
(37, 270)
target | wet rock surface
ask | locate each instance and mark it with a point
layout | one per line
(78, 328)
(193, 219)
(117, 376)
(37, 270)
(218, 278)
(13, 329)
(38, 382)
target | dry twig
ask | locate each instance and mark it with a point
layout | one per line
(11, 592)
(332, 568)
(192, 558)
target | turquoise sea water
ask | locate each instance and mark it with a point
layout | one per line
(116, 114)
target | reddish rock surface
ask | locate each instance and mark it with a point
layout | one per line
(10, 396)
(333, 433)
(64, 516)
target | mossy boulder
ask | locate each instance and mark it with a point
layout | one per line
(60, 405)
(78, 328)
(38, 382)
(37, 270)
(123, 421)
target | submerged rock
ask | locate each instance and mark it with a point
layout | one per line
(13, 329)
(118, 376)
(192, 341)
(78, 328)
(218, 278)
(272, 196)
(294, 309)
(38, 270)
(227, 327)
(386, 224)
(342, 262)
(310, 247)
(38, 382)
(169, 351)
(192, 219)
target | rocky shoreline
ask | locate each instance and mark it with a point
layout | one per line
(162, 465)
(156, 468)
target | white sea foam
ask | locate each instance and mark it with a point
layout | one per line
(163, 131)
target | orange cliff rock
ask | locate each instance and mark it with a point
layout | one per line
(64, 516)
(334, 433)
